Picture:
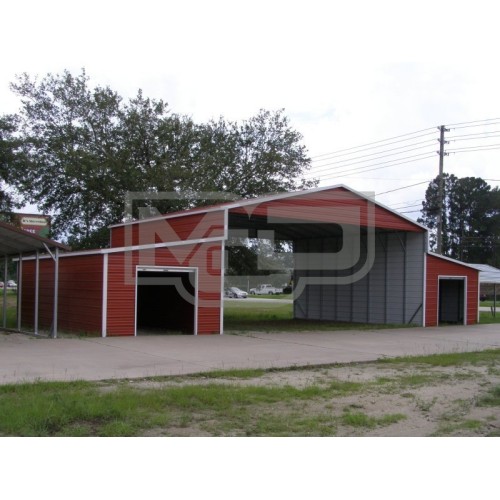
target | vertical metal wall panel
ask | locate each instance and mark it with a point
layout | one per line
(169, 229)
(415, 266)
(80, 293)
(391, 292)
(395, 280)
(377, 283)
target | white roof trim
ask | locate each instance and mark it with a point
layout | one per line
(103, 251)
(452, 260)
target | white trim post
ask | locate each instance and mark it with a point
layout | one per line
(37, 290)
(56, 293)
(104, 327)
(5, 278)
(222, 278)
(19, 291)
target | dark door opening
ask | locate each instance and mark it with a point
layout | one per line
(165, 302)
(451, 300)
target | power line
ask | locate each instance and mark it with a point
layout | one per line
(378, 166)
(471, 126)
(379, 142)
(410, 212)
(321, 168)
(350, 170)
(478, 134)
(372, 154)
(405, 203)
(407, 206)
(475, 121)
(404, 187)
(486, 147)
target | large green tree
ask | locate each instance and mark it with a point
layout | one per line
(471, 216)
(8, 147)
(82, 148)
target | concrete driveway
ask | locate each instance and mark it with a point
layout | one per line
(24, 358)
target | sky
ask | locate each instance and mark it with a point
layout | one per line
(346, 73)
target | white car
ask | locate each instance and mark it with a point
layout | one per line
(267, 289)
(236, 293)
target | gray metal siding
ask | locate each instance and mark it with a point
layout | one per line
(391, 292)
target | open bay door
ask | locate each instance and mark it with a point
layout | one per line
(452, 299)
(166, 300)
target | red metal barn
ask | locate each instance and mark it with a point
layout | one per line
(354, 260)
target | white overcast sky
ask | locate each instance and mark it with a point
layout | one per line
(347, 72)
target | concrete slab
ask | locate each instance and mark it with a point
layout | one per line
(24, 358)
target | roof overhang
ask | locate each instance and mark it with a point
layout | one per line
(488, 275)
(15, 241)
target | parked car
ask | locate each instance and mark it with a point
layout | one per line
(267, 289)
(11, 284)
(235, 293)
(1, 284)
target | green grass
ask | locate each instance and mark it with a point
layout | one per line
(450, 359)
(273, 316)
(487, 318)
(281, 296)
(359, 419)
(11, 308)
(489, 303)
(83, 408)
(492, 398)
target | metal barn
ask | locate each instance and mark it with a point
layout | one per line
(355, 260)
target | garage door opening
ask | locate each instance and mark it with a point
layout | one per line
(166, 301)
(452, 300)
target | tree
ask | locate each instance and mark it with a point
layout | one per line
(8, 145)
(470, 218)
(82, 149)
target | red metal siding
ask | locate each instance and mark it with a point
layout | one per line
(195, 226)
(121, 283)
(331, 206)
(441, 267)
(79, 297)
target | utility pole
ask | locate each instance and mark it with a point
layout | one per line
(442, 154)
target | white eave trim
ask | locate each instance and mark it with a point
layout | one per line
(449, 259)
(105, 251)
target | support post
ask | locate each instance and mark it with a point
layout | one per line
(5, 280)
(56, 293)
(494, 299)
(19, 291)
(37, 289)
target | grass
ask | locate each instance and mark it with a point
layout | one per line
(276, 317)
(359, 419)
(280, 296)
(11, 308)
(448, 359)
(230, 403)
(83, 408)
(492, 398)
(487, 318)
(489, 303)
